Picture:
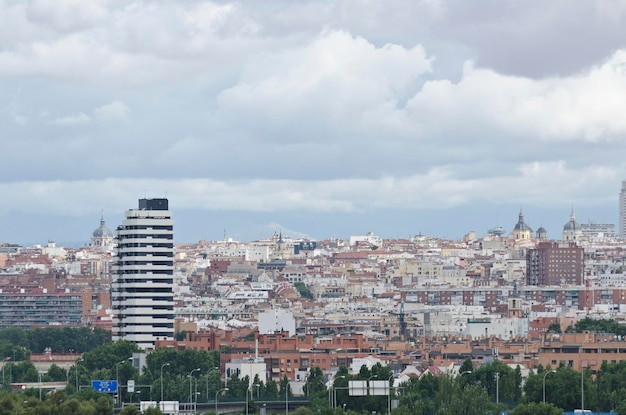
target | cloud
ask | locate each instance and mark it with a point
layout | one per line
(311, 106)
(585, 106)
(542, 184)
(66, 15)
(338, 78)
(115, 110)
(80, 118)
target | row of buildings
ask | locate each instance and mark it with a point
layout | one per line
(418, 301)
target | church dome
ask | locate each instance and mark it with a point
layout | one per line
(521, 225)
(571, 225)
(102, 231)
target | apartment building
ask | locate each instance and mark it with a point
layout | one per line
(142, 292)
(555, 263)
(38, 307)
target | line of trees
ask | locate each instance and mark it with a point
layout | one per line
(17, 344)
(472, 391)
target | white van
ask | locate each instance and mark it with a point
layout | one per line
(582, 412)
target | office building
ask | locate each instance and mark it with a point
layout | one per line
(142, 290)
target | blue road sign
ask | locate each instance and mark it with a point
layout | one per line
(106, 386)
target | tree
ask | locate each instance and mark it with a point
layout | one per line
(500, 379)
(284, 387)
(452, 400)
(315, 382)
(303, 290)
(270, 390)
(55, 374)
(554, 328)
(534, 408)
(467, 366)
(562, 388)
(130, 410)
(153, 410)
(600, 325)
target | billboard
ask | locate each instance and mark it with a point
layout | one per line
(105, 386)
(357, 387)
(379, 387)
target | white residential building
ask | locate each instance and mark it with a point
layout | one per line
(142, 291)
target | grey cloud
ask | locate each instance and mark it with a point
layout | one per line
(320, 106)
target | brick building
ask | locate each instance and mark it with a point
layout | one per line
(555, 263)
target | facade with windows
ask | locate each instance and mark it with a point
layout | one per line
(27, 308)
(553, 263)
(142, 291)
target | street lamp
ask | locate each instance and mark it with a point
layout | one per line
(335, 394)
(368, 383)
(333, 402)
(497, 376)
(117, 378)
(207, 381)
(389, 394)
(216, 394)
(247, 392)
(190, 380)
(544, 383)
(582, 387)
(162, 366)
(76, 372)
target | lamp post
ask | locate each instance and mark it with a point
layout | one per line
(39, 385)
(190, 380)
(368, 383)
(216, 394)
(247, 391)
(76, 372)
(335, 395)
(162, 366)
(11, 368)
(544, 383)
(389, 395)
(331, 387)
(117, 378)
(497, 376)
(582, 388)
(207, 382)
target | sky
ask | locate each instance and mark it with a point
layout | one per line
(312, 118)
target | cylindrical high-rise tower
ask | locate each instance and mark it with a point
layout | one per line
(142, 290)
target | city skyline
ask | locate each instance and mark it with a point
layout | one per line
(195, 227)
(320, 117)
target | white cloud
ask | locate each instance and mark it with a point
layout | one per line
(337, 78)
(586, 106)
(316, 106)
(542, 184)
(80, 118)
(66, 15)
(115, 110)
